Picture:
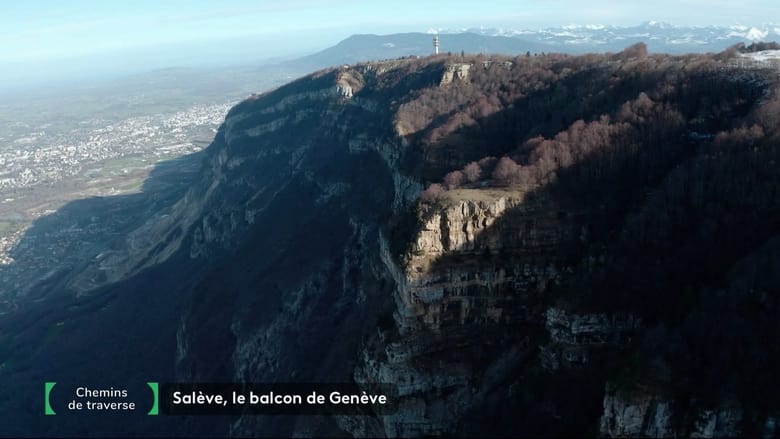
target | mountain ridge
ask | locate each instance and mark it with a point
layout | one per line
(660, 37)
(371, 47)
(303, 251)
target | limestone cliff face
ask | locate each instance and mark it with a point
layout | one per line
(455, 72)
(637, 414)
(317, 278)
(644, 412)
(471, 281)
(200, 214)
(574, 337)
(442, 281)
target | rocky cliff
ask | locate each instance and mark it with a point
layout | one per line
(557, 292)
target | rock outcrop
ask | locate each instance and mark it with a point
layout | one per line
(471, 275)
(455, 72)
(574, 337)
(643, 412)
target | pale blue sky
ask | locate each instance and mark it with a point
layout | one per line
(51, 29)
(46, 40)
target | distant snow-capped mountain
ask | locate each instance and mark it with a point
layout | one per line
(660, 37)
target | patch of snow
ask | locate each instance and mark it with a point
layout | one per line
(764, 55)
(664, 33)
(686, 40)
(659, 24)
(756, 34)
(584, 40)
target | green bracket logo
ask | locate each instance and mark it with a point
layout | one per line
(46, 404)
(155, 410)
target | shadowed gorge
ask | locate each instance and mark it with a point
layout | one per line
(536, 245)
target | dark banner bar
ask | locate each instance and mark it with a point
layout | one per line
(277, 399)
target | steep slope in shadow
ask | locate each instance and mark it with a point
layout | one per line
(104, 336)
(68, 251)
(273, 277)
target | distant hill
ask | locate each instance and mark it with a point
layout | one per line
(358, 48)
(573, 39)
